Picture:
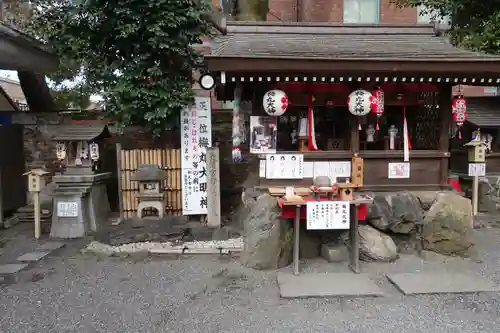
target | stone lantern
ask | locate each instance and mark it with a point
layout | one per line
(150, 194)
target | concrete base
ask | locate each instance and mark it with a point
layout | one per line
(90, 194)
(8, 273)
(327, 285)
(440, 283)
(33, 256)
(50, 246)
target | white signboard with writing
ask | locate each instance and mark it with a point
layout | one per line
(262, 169)
(477, 169)
(398, 170)
(340, 169)
(308, 169)
(333, 170)
(196, 137)
(67, 209)
(284, 166)
(323, 215)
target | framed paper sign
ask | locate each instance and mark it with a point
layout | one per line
(398, 170)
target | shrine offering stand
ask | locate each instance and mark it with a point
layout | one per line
(358, 207)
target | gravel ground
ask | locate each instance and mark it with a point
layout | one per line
(71, 292)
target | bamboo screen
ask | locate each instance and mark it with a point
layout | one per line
(167, 159)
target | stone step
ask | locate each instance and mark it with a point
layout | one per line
(31, 257)
(9, 272)
(50, 246)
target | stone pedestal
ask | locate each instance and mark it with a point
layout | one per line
(87, 196)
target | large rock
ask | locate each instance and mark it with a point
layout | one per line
(426, 198)
(487, 196)
(396, 212)
(374, 245)
(310, 243)
(334, 252)
(448, 226)
(379, 213)
(267, 237)
(407, 210)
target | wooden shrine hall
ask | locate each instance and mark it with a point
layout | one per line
(321, 68)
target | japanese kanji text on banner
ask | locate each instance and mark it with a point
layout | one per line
(196, 137)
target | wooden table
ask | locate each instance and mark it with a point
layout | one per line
(353, 232)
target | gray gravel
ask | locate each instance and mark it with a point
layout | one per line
(82, 293)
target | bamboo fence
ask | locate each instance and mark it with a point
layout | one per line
(167, 159)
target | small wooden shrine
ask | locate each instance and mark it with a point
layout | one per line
(383, 92)
(77, 147)
(483, 119)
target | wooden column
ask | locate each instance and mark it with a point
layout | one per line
(354, 134)
(444, 138)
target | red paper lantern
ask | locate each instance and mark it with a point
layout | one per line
(378, 104)
(459, 109)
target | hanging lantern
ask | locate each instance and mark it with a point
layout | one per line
(459, 109)
(360, 103)
(94, 151)
(275, 102)
(378, 105)
(60, 151)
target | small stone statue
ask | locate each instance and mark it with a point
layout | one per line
(370, 133)
(293, 136)
(486, 140)
(393, 132)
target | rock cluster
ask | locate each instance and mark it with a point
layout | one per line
(396, 222)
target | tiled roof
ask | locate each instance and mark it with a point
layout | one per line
(326, 41)
(483, 111)
(80, 132)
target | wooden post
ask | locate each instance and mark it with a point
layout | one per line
(475, 194)
(36, 208)
(1, 199)
(296, 240)
(119, 176)
(354, 135)
(213, 188)
(444, 137)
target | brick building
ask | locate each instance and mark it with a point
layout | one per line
(355, 12)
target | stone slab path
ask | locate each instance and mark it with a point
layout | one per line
(441, 283)
(9, 272)
(327, 285)
(33, 256)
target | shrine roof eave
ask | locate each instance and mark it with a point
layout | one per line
(467, 67)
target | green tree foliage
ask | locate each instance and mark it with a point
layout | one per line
(136, 54)
(474, 24)
(19, 15)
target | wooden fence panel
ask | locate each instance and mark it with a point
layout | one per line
(167, 159)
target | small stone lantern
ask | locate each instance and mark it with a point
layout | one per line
(150, 194)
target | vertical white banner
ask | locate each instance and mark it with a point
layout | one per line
(196, 137)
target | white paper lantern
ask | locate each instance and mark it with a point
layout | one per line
(275, 102)
(360, 102)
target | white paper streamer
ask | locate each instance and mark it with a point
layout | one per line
(406, 146)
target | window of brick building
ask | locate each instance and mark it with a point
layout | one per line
(426, 16)
(362, 11)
